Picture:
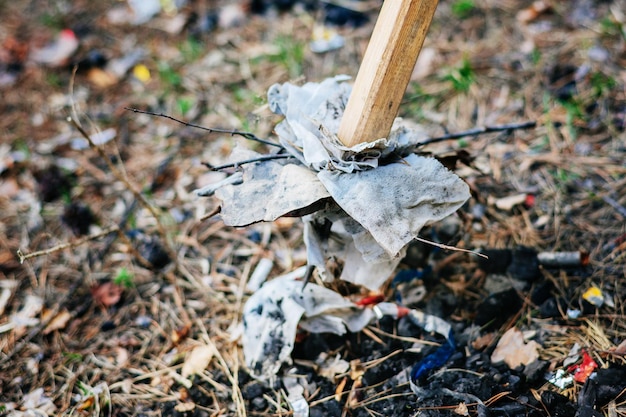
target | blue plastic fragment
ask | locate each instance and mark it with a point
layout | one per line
(435, 360)
(408, 275)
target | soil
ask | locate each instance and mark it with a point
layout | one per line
(135, 271)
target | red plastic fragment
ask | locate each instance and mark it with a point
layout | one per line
(403, 311)
(586, 368)
(370, 300)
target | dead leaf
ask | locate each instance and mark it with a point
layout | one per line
(27, 315)
(507, 203)
(513, 351)
(88, 403)
(483, 341)
(101, 78)
(621, 348)
(180, 334)
(339, 389)
(357, 370)
(8, 286)
(531, 13)
(197, 361)
(461, 410)
(9, 188)
(121, 356)
(58, 322)
(185, 407)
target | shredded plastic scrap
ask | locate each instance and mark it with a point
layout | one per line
(362, 204)
(272, 315)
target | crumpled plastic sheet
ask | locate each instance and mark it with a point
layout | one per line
(271, 317)
(375, 197)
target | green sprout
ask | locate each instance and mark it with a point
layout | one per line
(191, 49)
(169, 75)
(124, 279)
(602, 83)
(290, 55)
(463, 8)
(461, 78)
(184, 104)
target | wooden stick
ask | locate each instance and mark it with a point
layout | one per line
(386, 70)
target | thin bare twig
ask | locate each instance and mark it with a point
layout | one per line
(23, 257)
(478, 131)
(248, 161)
(245, 135)
(448, 247)
(138, 196)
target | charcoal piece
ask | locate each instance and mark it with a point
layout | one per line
(542, 292)
(341, 16)
(328, 408)
(587, 400)
(261, 6)
(107, 326)
(259, 403)
(93, 59)
(154, 252)
(496, 309)
(200, 24)
(610, 383)
(557, 405)
(498, 260)
(561, 80)
(52, 183)
(513, 382)
(441, 304)
(552, 307)
(407, 328)
(417, 255)
(524, 264)
(78, 217)
(482, 411)
(509, 409)
(243, 377)
(252, 390)
(311, 347)
(535, 371)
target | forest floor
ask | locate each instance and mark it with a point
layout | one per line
(135, 274)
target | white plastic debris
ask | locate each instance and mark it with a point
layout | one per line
(35, 403)
(99, 138)
(365, 203)
(57, 52)
(260, 274)
(561, 379)
(325, 39)
(295, 394)
(272, 315)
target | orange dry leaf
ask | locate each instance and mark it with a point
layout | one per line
(107, 294)
(339, 389)
(483, 341)
(197, 361)
(531, 13)
(180, 334)
(88, 403)
(101, 78)
(58, 322)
